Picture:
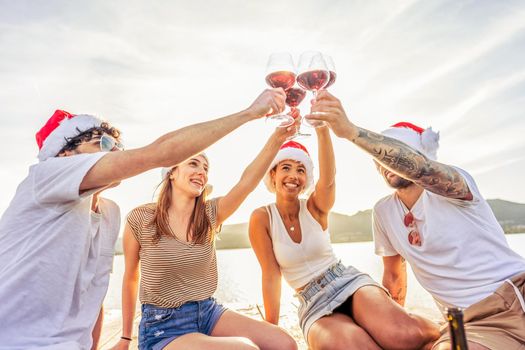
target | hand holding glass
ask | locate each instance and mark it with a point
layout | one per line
(313, 75)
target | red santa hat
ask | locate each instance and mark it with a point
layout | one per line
(297, 152)
(60, 127)
(425, 141)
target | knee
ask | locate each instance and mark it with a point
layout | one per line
(285, 342)
(355, 339)
(288, 343)
(247, 344)
(404, 337)
(274, 337)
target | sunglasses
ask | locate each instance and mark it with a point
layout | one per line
(107, 143)
(414, 238)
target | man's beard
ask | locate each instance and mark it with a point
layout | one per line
(399, 183)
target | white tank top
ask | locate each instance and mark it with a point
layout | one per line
(301, 262)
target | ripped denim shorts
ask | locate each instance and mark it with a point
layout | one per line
(159, 326)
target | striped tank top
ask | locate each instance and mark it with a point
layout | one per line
(173, 272)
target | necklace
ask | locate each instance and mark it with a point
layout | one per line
(291, 227)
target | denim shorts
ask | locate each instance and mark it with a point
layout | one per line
(325, 293)
(159, 326)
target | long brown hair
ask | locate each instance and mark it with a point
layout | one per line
(199, 224)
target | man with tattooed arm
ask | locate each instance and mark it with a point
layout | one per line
(437, 220)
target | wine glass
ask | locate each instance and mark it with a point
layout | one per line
(313, 75)
(294, 96)
(331, 68)
(280, 73)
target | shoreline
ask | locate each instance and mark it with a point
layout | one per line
(119, 252)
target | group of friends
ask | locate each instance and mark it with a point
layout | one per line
(58, 234)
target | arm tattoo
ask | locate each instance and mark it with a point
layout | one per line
(412, 165)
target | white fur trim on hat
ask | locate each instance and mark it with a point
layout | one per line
(68, 128)
(297, 155)
(427, 142)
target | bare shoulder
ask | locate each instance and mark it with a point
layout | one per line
(259, 216)
(259, 227)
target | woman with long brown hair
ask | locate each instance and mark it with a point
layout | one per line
(174, 241)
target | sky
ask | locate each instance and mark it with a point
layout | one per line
(150, 67)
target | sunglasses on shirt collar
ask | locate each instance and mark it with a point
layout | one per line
(107, 143)
(414, 237)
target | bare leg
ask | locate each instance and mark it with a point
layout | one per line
(388, 323)
(265, 335)
(339, 331)
(199, 341)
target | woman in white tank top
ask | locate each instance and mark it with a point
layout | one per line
(341, 307)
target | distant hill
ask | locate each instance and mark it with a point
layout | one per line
(233, 236)
(358, 227)
(343, 228)
(510, 215)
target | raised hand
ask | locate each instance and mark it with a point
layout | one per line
(282, 134)
(270, 101)
(328, 108)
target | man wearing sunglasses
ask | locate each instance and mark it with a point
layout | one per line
(437, 220)
(58, 234)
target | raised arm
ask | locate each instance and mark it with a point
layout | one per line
(253, 174)
(395, 277)
(130, 284)
(178, 145)
(392, 154)
(271, 272)
(323, 198)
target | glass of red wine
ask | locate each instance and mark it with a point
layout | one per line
(294, 96)
(280, 73)
(331, 68)
(314, 75)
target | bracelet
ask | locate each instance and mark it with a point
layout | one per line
(126, 338)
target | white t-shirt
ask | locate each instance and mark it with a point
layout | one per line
(55, 257)
(464, 256)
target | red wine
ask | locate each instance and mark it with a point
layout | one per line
(294, 96)
(313, 80)
(281, 79)
(333, 75)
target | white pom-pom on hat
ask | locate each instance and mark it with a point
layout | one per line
(297, 152)
(425, 141)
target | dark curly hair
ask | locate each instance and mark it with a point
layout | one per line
(104, 128)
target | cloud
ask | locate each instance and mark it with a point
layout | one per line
(157, 66)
